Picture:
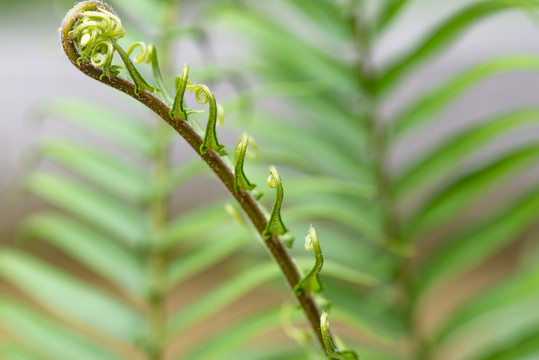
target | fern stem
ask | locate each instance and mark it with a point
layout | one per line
(212, 159)
(159, 212)
(157, 260)
(379, 148)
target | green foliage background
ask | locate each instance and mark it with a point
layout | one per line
(392, 238)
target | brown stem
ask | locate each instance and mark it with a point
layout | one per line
(214, 161)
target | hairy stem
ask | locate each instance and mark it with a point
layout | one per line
(212, 159)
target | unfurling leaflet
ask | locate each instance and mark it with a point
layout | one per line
(333, 354)
(240, 180)
(275, 223)
(204, 95)
(311, 281)
(178, 109)
(148, 54)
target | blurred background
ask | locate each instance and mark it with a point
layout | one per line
(35, 71)
(40, 72)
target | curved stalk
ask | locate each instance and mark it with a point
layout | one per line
(247, 202)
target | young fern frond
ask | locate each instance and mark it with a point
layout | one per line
(208, 147)
(94, 30)
(311, 281)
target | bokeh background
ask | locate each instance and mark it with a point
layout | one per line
(34, 70)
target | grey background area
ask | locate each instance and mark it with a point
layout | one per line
(33, 69)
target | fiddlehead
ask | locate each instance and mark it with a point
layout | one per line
(332, 352)
(275, 225)
(240, 180)
(93, 28)
(93, 33)
(311, 281)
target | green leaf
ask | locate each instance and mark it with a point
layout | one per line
(121, 221)
(70, 296)
(443, 160)
(329, 159)
(432, 102)
(13, 352)
(347, 249)
(258, 352)
(277, 43)
(224, 295)
(389, 11)
(472, 246)
(111, 173)
(44, 335)
(179, 175)
(373, 328)
(521, 288)
(324, 184)
(508, 310)
(88, 247)
(443, 35)
(327, 16)
(194, 224)
(460, 194)
(104, 122)
(354, 217)
(221, 246)
(524, 348)
(233, 337)
(348, 127)
(145, 12)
